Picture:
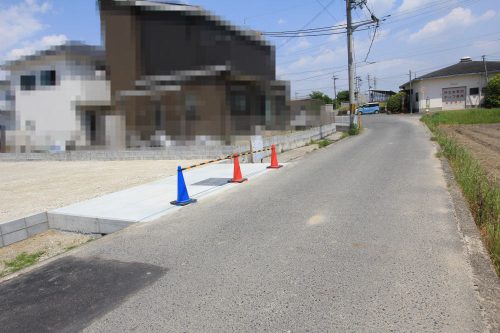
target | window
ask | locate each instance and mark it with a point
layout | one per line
(238, 104)
(474, 91)
(48, 78)
(191, 105)
(28, 82)
(157, 108)
(416, 97)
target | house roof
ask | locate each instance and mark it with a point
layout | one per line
(461, 68)
(157, 5)
(71, 48)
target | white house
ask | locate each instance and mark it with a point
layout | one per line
(7, 120)
(454, 87)
(58, 97)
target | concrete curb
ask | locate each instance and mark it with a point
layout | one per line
(20, 229)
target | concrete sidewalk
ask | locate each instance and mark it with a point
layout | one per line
(147, 202)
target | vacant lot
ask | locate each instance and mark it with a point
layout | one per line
(483, 141)
(32, 187)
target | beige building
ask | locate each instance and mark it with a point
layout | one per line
(458, 86)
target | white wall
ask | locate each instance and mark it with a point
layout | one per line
(432, 88)
(52, 109)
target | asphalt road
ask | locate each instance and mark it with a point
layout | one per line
(357, 237)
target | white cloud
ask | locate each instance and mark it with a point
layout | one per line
(302, 43)
(281, 21)
(458, 18)
(19, 21)
(42, 44)
(380, 7)
(408, 5)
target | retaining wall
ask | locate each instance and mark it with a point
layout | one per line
(285, 142)
(20, 229)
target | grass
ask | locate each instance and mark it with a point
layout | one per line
(459, 117)
(481, 193)
(324, 142)
(21, 261)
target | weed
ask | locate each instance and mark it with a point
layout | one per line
(433, 138)
(323, 143)
(22, 260)
(353, 130)
(481, 193)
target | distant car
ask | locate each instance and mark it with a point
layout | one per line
(369, 108)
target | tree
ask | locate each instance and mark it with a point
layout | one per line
(492, 92)
(320, 96)
(394, 103)
(343, 96)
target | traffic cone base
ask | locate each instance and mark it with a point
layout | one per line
(275, 166)
(183, 203)
(237, 180)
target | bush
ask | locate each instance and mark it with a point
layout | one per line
(492, 92)
(394, 102)
(353, 130)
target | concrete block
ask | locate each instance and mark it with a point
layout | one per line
(14, 237)
(85, 225)
(38, 228)
(11, 226)
(36, 219)
(107, 226)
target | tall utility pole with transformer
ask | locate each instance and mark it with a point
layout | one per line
(351, 27)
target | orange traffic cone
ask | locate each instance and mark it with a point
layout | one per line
(274, 159)
(237, 177)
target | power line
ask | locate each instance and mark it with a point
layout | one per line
(307, 24)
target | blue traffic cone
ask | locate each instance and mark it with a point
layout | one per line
(183, 198)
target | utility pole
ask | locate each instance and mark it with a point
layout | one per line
(350, 61)
(369, 88)
(485, 69)
(350, 46)
(334, 87)
(411, 96)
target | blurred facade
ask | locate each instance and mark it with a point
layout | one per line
(306, 113)
(52, 98)
(180, 74)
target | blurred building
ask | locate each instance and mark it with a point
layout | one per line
(52, 99)
(179, 73)
(308, 112)
(379, 95)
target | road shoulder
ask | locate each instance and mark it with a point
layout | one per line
(486, 281)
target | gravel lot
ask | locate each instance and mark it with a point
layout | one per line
(32, 187)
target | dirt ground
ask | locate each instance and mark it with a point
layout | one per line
(32, 187)
(51, 243)
(483, 141)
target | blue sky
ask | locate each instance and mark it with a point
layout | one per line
(421, 35)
